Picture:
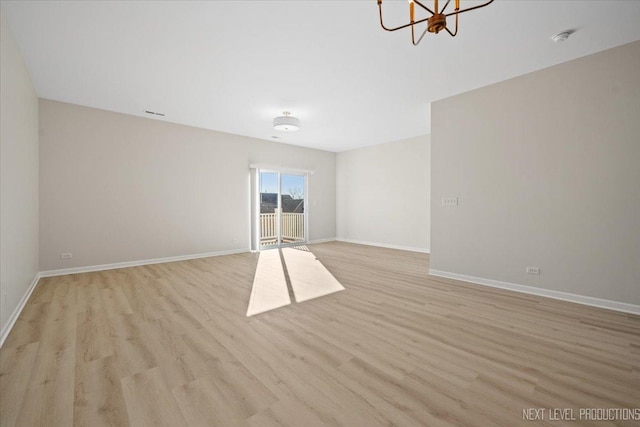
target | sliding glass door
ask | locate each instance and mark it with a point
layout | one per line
(282, 213)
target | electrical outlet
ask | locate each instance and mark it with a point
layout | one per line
(66, 255)
(533, 270)
(449, 201)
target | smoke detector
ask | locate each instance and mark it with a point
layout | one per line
(560, 37)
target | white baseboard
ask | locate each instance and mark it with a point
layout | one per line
(384, 245)
(101, 267)
(330, 239)
(16, 313)
(565, 296)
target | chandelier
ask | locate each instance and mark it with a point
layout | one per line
(436, 22)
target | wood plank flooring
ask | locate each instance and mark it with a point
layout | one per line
(170, 345)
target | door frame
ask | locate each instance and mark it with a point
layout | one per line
(280, 172)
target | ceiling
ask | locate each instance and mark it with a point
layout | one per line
(233, 66)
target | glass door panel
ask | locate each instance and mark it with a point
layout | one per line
(292, 213)
(269, 209)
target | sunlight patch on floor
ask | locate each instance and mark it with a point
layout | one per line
(269, 289)
(309, 278)
(299, 267)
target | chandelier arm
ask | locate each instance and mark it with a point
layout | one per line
(420, 39)
(470, 8)
(403, 26)
(456, 31)
(413, 40)
(423, 6)
(445, 6)
(400, 27)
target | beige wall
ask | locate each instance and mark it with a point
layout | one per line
(383, 194)
(118, 188)
(19, 178)
(547, 170)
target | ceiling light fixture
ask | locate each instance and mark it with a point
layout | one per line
(286, 123)
(436, 22)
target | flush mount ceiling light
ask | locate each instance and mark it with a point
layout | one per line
(286, 123)
(436, 22)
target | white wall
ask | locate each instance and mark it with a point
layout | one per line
(383, 194)
(19, 178)
(118, 188)
(547, 170)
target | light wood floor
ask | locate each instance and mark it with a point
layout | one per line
(169, 344)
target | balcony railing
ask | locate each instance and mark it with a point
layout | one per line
(291, 228)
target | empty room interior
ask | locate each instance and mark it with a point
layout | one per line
(320, 213)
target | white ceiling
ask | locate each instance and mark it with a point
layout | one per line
(232, 66)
